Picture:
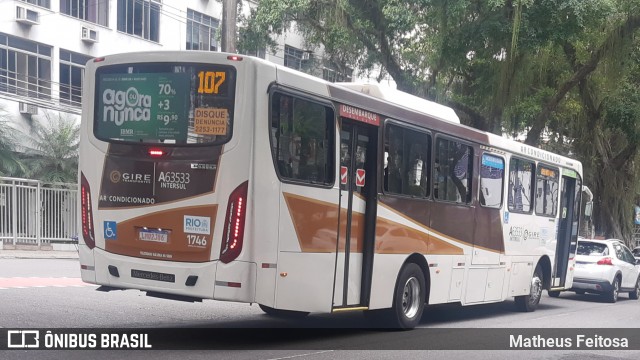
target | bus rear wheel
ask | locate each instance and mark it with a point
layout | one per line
(283, 314)
(409, 297)
(529, 303)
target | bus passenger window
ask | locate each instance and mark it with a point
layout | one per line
(453, 171)
(491, 181)
(301, 139)
(521, 173)
(407, 159)
(547, 184)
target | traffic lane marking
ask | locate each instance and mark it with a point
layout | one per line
(39, 282)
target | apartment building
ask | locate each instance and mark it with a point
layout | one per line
(44, 45)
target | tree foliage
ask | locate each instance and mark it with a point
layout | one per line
(10, 164)
(560, 71)
(51, 149)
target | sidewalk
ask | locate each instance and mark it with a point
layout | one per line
(38, 254)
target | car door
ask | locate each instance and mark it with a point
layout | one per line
(628, 269)
(635, 269)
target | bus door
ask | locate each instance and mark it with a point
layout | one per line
(358, 144)
(567, 228)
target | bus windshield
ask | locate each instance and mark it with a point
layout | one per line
(168, 103)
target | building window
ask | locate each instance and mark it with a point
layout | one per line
(140, 18)
(332, 74)
(71, 75)
(301, 139)
(257, 53)
(25, 67)
(95, 11)
(453, 171)
(201, 31)
(42, 3)
(407, 161)
(293, 57)
(521, 174)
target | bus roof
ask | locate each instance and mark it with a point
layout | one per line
(405, 99)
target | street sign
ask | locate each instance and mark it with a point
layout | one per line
(344, 175)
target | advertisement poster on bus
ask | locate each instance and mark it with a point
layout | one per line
(143, 106)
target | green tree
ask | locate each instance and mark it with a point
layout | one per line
(51, 150)
(10, 164)
(559, 71)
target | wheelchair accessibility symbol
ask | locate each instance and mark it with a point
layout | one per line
(110, 232)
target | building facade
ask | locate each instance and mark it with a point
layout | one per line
(45, 44)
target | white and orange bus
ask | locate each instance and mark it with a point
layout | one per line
(215, 176)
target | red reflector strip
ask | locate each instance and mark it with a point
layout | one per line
(433, 265)
(268, 266)
(87, 267)
(460, 264)
(229, 284)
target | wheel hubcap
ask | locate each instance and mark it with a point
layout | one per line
(536, 290)
(411, 297)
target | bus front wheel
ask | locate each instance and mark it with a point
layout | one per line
(284, 314)
(528, 303)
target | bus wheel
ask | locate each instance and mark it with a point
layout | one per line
(409, 297)
(284, 314)
(528, 303)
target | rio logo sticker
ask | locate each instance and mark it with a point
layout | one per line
(197, 224)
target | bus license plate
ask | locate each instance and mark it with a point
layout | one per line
(161, 236)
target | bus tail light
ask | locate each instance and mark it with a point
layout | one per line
(86, 213)
(155, 152)
(605, 261)
(233, 234)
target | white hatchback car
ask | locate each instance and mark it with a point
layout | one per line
(606, 267)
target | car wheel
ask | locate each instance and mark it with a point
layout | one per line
(612, 295)
(528, 303)
(635, 294)
(554, 294)
(285, 314)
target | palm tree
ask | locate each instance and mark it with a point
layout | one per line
(51, 152)
(9, 162)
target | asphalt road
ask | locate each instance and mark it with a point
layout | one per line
(51, 297)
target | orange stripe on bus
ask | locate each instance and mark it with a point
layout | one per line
(316, 225)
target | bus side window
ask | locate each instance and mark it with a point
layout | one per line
(301, 139)
(491, 181)
(454, 171)
(406, 161)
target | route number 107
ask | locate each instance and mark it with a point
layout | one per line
(210, 81)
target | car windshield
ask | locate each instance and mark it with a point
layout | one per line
(592, 249)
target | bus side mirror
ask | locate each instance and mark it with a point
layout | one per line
(588, 209)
